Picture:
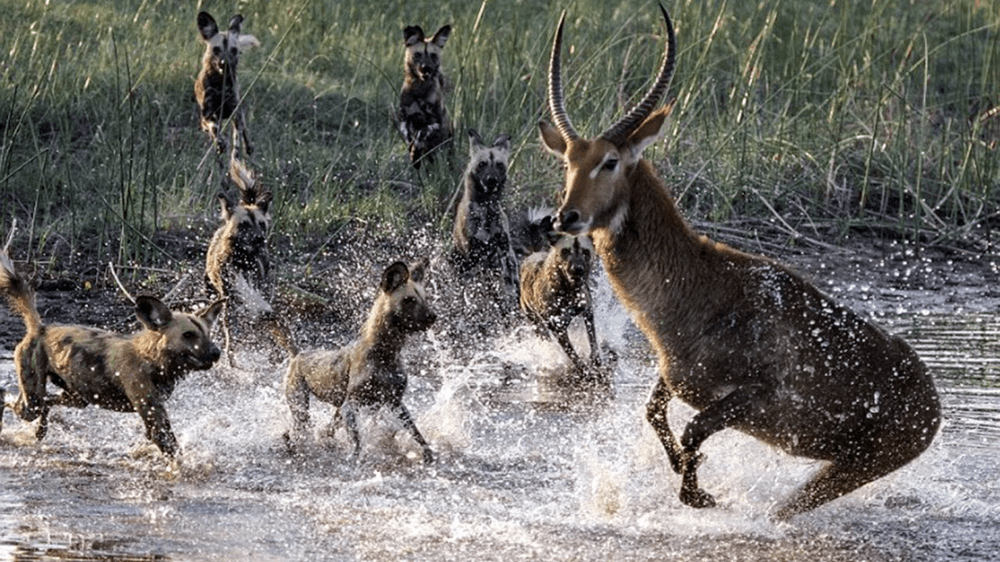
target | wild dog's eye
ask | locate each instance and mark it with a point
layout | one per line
(610, 164)
(233, 51)
(501, 168)
(565, 253)
(409, 301)
(216, 51)
(189, 336)
(481, 166)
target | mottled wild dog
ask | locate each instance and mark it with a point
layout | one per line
(216, 89)
(481, 233)
(555, 289)
(368, 372)
(134, 373)
(741, 338)
(422, 119)
(237, 264)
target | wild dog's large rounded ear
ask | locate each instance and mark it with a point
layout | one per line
(394, 277)
(502, 141)
(412, 34)
(548, 227)
(441, 36)
(207, 26)
(211, 312)
(225, 206)
(475, 141)
(152, 313)
(264, 201)
(236, 23)
(418, 269)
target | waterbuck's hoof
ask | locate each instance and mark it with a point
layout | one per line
(697, 498)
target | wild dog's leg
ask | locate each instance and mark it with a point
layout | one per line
(348, 411)
(407, 419)
(656, 414)
(154, 416)
(721, 414)
(588, 320)
(297, 398)
(560, 330)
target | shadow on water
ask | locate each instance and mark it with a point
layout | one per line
(523, 472)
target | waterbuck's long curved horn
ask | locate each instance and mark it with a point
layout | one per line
(620, 130)
(557, 103)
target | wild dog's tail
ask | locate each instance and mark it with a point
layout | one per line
(16, 287)
(245, 181)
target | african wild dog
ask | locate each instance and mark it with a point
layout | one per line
(481, 234)
(123, 373)
(555, 289)
(367, 372)
(237, 265)
(422, 119)
(216, 89)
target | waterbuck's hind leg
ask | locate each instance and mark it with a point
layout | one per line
(831, 482)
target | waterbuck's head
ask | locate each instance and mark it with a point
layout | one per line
(599, 170)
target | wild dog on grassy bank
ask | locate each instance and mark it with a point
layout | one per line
(555, 289)
(481, 233)
(368, 372)
(237, 264)
(422, 119)
(741, 338)
(216, 89)
(134, 373)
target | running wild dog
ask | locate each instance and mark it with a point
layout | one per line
(216, 89)
(368, 372)
(237, 264)
(134, 373)
(555, 289)
(481, 233)
(422, 119)
(741, 338)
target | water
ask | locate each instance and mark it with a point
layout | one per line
(521, 474)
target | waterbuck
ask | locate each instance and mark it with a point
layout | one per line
(739, 337)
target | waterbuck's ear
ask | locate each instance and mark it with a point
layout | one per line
(502, 142)
(211, 312)
(441, 36)
(418, 269)
(394, 277)
(412, 34)
(648, 132)
(552, 139)
(235, 23)
(475, 141)
(225, 206)
(207, 26)
(152, 313)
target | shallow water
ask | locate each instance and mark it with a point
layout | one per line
(521, 472)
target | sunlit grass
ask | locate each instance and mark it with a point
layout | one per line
(818, 116)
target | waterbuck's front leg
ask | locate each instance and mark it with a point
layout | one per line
(723, 413)
(656, 414)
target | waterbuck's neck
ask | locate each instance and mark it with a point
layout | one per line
(665, 274)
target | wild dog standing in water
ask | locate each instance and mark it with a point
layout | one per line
(237, 265)
(422, 118)
(555, 289)
(744, 340)
(366, 373)
(123, 373)
(482, 233)
(216, 89)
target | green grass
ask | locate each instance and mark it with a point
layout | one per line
(821, 117)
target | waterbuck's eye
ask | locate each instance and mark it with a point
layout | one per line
(610, 164)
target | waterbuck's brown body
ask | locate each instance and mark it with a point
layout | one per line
(741, 338)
